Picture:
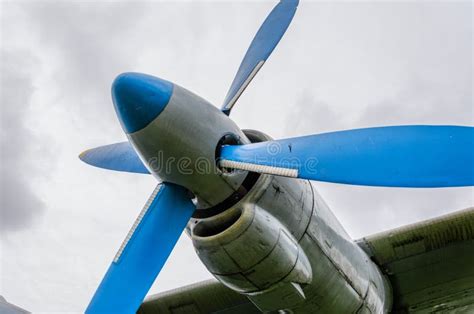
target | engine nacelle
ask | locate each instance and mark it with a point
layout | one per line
(281, 246)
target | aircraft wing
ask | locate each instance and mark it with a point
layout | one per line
(203, 297)
(430, 263)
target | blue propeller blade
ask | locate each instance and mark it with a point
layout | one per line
(144, 251)
(264, 42)
(118, 157)
(397, 156)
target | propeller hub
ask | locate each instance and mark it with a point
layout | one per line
(139, 99)
(175, 133)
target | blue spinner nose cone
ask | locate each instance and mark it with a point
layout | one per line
(139, 99)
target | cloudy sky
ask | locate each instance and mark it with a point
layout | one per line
(341, 65)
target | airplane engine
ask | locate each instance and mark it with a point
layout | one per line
(281, 246)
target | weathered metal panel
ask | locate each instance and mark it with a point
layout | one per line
(263, 252)
(430, 264)
(420, 237)
(205, 297)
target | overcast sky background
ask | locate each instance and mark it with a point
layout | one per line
(341, 65)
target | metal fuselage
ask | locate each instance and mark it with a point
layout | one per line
(268, 237)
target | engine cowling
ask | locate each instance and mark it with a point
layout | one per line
(253, 253)
(282, 247)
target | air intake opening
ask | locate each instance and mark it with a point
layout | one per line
(217, 225)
